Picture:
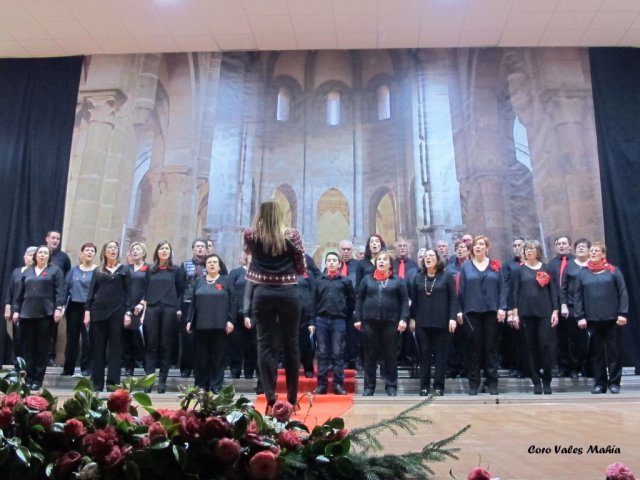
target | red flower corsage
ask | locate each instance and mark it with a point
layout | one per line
(543, 279)
(143, 268)
(495, 265)
(43, 274)
(218, 286)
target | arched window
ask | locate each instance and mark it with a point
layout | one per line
(384, 102)
(284, 104)
(333, 109)
(521, 143)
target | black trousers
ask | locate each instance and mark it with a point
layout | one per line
(276, 310)
(75, 332)
(577, 342)
(35, 332)
(379, 339)
(540, 341)
(6, 345)
(242, 349)
(482, 343)
(160, 328)
(434, 349)
(457, 356)
(605, 352)
(187, 346)
(132, 348)
(106, 348)
(307, 349)
(210, 345)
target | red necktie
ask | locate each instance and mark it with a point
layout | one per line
(345, 270)
(401, 268)
(563, 265)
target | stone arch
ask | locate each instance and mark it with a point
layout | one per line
(288, 84)
(371, 92)
(332, 216)
(383, 215)
(286, 197)
(320, 103)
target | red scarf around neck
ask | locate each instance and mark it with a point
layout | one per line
(381, 276)
(601, 266)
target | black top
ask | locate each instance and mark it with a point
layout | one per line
(138, 283)
(306, 284)
(554, 266)
(77, 284)
(238, 278)
(213, 304)
(279, 269)
(334, 297)
(569, 283)
(191, 269)
(165, 286)
(410, 267)
(312, 268)
(365, 269)
(382, 301)
(109, 292)
(61, 260)
(352, 270)
(481, 292)
(529, 297)
(509, 270)
(13, 286)
(39, 295)
(433, 300)
(601, 296)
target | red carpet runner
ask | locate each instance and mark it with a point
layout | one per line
(315, 409)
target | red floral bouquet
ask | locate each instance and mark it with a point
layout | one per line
(208, 436)
(543, 278)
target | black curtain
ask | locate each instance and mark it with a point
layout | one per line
(37, 111)
(615, 74)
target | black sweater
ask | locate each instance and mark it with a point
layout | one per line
(138, 283)
(569, 283)
(13, 286)
(306, 286)
(481, 292)
(165, 286)
(365, 269)
(382, 301)
(529, 297)
(238, 278)
(109, 292)
(212, 305)
(39, 295)
(434, 310)
(601, 296)
(333, 297)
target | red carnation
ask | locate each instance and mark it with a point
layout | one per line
(99, 443)
(43, 274)
(156, 430)
(6, 417)
(619, 471)
(289, 439)
(36, 402)
(66, 463)
(12, 400)
(215, 427)
(119, 401)
(177, 415)
(126, 417)
(74, 428)
(263, 465)
(282, 411)
(43, 418)
(147, 420)
(189, 427)
(143, 268)
(495, 265)
(479, 473)
(114, 457)
(227, 450)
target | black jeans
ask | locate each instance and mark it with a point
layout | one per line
(210, 345)
(605, 352)
(540, 341)
(379, 339)
(160, 328)
(33, 332)
(433, 343)
(106, 339)
(76, 331)
(330, 335)
(482, 342)
(187, 345)
(242, 346)
(276, 310)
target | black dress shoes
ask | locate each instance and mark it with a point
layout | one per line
(339, 390)
(321, 390)
(614, 388)
(424, 392)
(493, 390)
(367, 392)
(392, 392)
(438, 392)
(597, 389)
(546, 388)
(537, 388)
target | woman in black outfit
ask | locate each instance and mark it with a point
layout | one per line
(77, 289)
(211, 318)
(382, 308)
(535, 310)
(602, 305)
(132, 341)
(483, 301)
(107, 311)
(39, 303)
(375, 244)
(277, 256)
(434, 307)
(163, 300)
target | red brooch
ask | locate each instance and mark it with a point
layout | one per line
(218, 286)
(543, 279)
(43, 274)
(143, 268)
(495, 265)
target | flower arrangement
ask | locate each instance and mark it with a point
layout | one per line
(208, 437)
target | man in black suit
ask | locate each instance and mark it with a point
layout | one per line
(62, 261)
(348, 269)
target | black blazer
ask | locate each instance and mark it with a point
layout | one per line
(212, 305)
(39, 295)
(109, 292)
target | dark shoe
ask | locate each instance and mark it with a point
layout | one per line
(129, 372)
(493, 390)
(259, 390)
(614, 388)
(320, 390)
(147, 390)
(339, 390)
(513, 373)
(473, 391)
(424, 392)
(598, 389)
(162, 387)
(66, 373)
(573, 375)
(308, 374)
(367, 392)
(537, 388)
(248, 377)
(546, 388)
(86, 373)
(235, 375)
(439, 392)
(51, 363)
(392, 392)
(35, 386)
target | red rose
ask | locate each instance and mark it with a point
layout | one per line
(114, 457)
(74, 428)
(165, 412)
(156, 430)
(143, 442)
(36, 402)
(119, 401)
(227, 450)
(43, 418)
(147, 420)
(289, 439)
(6, 417)
(43, 274)
(177, 415)
(263, 465)
(143, 268)
(282, 411)
(12, 400)
(215, 427)
(253, 427)
(126, 417)
(479, 473)
(189, 427)
(99, 443)
(66, 463)
(619, 471)
(495, 265)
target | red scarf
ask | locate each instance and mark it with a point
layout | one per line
(381, 276)
(601, 266)
(332, 274)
